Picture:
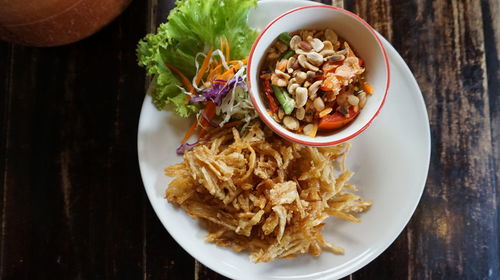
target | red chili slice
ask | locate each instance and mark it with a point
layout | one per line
(271, 100)
(336, 120)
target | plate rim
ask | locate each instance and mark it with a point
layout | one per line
(396, 59)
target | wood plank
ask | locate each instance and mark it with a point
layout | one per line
(5, 100)
(377, 13)
(163, 257)
(71, 207)
(454, 232)
(491, 26)
(349, 5)
(202, 272)
(338, 3)
(15, 230)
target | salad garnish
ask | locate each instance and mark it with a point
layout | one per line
(198, 63)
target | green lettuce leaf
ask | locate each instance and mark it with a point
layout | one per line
(192, 27)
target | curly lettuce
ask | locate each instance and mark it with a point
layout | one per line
(193, 26)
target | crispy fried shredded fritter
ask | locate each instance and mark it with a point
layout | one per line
(261, 194)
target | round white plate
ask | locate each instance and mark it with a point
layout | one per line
(391, 160)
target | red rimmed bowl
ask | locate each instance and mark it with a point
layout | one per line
(360, 36)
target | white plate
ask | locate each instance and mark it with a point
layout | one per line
(390, 158)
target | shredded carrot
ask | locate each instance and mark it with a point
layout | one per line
(210, 110)
(210, 114)
(314, 131)
(219, 82)
(368, 88)
(233, 123)
(202, 133)
(227, 75)
(187, 84)
(237, 67)
(214, 72)
(221, 48)
(204, 66)
(190, 131)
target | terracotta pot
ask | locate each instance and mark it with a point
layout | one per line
(55, 22)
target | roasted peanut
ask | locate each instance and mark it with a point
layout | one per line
(291, 123)
(308, 129)
(300, 77)
(353, 100)
(313, 89)
(315, 58)
(292, 87)
(305, 46)
(304, 63)
(289, 64)
(317, 44)
(318, 104)
(294, 42)
(300, 113)
(300, 97)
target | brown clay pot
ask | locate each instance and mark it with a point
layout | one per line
(55, 22)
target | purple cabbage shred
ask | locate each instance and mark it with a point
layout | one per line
(217, 91)
(185, 147)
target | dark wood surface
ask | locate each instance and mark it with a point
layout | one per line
(73, 204)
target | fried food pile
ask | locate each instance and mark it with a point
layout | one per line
(259, 193)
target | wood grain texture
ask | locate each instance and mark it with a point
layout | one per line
(73, 204)
(376, 12)
(491, 27)
(338, 3)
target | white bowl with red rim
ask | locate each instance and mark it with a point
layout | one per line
(360, 36)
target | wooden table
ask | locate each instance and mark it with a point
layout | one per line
(73, 204)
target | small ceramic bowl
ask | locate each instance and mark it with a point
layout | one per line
(360, 36)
